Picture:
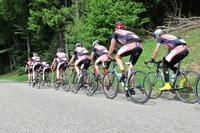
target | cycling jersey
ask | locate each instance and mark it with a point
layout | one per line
(100, 50)
(170, 41)
(60, 57)
(125, 37)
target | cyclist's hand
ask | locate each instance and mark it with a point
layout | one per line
(151, 60)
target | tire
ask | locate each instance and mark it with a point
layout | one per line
(90, 84)
(38, 80)
(157, 81)
(110, 85)
(73, 83)
(65, 82)
(142, 87)
(56, 86)
(197, 89)
(48, 80)
(187, 93)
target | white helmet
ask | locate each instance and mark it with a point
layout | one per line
(35, 54)
(79, 44)
(157, 32)
(95, 42)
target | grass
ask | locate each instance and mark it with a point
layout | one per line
(191, 37)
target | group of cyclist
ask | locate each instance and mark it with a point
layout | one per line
(131, 46)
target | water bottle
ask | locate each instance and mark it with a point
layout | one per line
(173, 77)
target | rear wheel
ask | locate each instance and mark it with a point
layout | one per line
(56, 85)
(185, 83)
(139, 85)
(48, 80)
(38, 80)
(110, 85)
(157, 82)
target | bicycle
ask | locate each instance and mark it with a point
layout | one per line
(197, 89)
(86, 81)
(63, 79)
(183, 85)
(157, 79)
(136, 81)
(47, 79)
(98, 80)
(37, 80)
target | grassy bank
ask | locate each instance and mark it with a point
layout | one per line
(191, 62)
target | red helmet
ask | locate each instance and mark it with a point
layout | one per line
(120, 25)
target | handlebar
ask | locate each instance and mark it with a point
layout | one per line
(155, 62)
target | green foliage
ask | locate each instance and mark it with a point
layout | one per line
(99, 18)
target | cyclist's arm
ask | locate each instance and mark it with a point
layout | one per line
(156, 51)
(53, 63)
(71, 60)
(112, 47)
(92, 56)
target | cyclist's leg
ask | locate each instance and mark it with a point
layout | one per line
(136, 52)
(182, 52)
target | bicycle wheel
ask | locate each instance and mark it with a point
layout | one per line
(48, 80)
(157, 82)
(197, 89)
(38, 80)
(186, 91)
(90, 85)
(65, 82)
(73, 83)
(141, 84)
(110, 85)
(56, 85)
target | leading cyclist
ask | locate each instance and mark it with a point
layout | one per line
(177, 51)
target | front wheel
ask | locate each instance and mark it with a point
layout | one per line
(139, 87)
(185, 86)
(65, 82)
(197, 89)
(157, 81)
(110, 85)
(90, 84)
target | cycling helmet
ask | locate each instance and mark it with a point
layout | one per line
(120, 25)
(79, 44)
(95, 42)
(157, 32)
(35, 54)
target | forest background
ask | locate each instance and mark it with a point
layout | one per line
(42, 26)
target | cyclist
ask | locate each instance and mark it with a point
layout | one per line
(102, 52)
(28, 69)
(131, 45)
(82, 56)
(60, 60)
(46, 69)
(177, 51)
(35, 61)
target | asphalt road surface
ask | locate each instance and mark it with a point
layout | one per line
(24, 109)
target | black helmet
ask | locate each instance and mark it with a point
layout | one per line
(79, 44)
(59, 50)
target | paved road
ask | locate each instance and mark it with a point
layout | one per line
(28, 110)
